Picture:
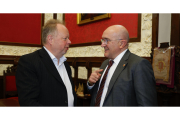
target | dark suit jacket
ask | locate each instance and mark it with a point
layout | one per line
(130, 85)
(39, 83)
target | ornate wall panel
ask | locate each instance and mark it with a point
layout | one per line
(60, 16)
(143, 48)
(88, 51)
(16, 50)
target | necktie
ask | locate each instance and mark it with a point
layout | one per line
(99, 94)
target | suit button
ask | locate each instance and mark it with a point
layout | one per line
(65, 101)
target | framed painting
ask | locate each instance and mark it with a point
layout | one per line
(84, 18)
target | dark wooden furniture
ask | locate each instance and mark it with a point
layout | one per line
(89, 63)
(9, 103)
(7, 59)
(170, 96)
(164, 98)
(9, 83)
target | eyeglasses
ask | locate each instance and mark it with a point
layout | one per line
(105, 41)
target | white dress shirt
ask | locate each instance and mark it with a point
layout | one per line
(109, 75)
(63, 73)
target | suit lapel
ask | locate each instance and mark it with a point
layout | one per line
(68, 71)
(102, 67)
(121, 66)
(45, 58)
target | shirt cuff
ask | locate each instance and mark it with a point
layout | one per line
(89, 87)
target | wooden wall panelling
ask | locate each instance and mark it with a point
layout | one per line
(1, 87)
(177, 69)
(8, 59)
(155, 27)
(175, 29)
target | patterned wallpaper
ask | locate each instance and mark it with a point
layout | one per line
(142, 48)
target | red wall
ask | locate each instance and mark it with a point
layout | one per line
(20, 28)
(92, 32)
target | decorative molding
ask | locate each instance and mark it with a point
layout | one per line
(47, 17)
(88, 51)
(143, 48)
(60, 16)
(16, 50)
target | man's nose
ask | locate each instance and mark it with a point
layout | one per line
(103, 44)
(69, 41)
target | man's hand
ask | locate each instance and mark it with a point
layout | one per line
(94, 77)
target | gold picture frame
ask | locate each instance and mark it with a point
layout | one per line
(83, 18)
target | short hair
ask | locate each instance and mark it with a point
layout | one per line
(49, 28)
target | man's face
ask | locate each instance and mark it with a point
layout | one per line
(112, 47)
(61, 41)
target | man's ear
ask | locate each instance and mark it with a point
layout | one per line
(50, 39)
(122, 43)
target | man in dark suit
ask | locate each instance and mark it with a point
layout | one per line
(129, 80)
(43, 78)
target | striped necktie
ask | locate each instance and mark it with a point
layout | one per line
(99, 94)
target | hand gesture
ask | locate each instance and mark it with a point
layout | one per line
(95, 76)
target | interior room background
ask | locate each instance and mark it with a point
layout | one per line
(142, 48)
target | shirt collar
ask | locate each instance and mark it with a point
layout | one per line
(119, 57)
(62, 59)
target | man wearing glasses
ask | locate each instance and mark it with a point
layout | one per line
(124, 79)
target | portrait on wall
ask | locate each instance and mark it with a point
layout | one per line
(83, 18)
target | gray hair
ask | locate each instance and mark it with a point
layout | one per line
(49, 28)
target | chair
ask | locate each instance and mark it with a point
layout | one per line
(168, 82)
(9, 84)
